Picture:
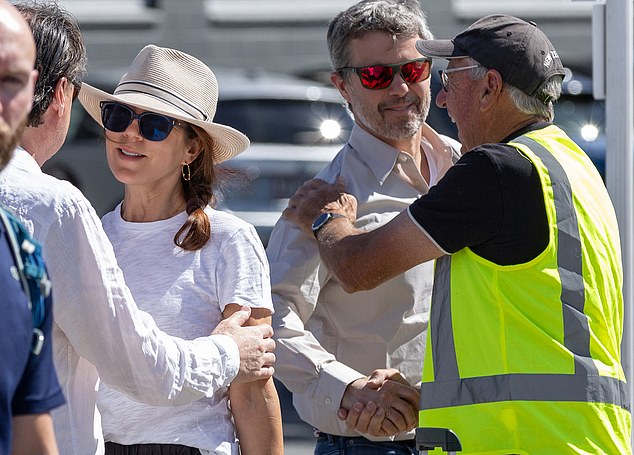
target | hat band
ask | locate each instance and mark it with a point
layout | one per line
(170, 98)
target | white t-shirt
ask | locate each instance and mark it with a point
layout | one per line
(185, 292)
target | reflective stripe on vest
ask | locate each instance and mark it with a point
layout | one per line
(585, 385)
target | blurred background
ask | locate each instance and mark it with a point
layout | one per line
(273, 68)
(289, 35)
(272, 64)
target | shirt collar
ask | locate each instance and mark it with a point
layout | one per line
(380, 157)
(24, 160)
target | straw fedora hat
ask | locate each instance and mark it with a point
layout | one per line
(173, 83)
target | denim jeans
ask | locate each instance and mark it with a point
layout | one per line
(341, 445)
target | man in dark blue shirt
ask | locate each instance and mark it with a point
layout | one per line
(28, 383)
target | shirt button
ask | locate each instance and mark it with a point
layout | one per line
(328, 401)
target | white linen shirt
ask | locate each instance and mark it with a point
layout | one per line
(96, 321)
(327, 338)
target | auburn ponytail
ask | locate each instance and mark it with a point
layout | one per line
(196, 231)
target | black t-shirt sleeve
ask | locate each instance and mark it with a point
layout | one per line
(465, 207)
(491, 201)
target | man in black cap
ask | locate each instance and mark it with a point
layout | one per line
(523, 350)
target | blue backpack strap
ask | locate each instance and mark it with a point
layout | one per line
(28, 257)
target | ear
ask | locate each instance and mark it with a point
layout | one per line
(193, 150)
(61, 101)
(339, 82)
(491, 89)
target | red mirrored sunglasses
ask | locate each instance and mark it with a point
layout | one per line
(379, 77)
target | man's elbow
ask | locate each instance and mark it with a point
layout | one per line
(352, 279)
(351, 288)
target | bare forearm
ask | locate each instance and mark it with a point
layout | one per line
(256, 411)
(341, 248)
(363, 260)
(360, 260)
(33, 435)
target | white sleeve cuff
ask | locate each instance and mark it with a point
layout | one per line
(215, 364)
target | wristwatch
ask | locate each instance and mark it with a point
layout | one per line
(322, 219)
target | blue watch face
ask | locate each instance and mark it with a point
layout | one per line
(321, 220)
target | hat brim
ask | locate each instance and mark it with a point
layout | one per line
(441, 48)
(228, 142)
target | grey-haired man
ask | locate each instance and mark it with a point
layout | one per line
(330, 341)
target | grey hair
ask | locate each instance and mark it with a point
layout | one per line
(527, 104)
(400, 18)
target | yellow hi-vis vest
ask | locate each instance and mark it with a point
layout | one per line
(525, 359)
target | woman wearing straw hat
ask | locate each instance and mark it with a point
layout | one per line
(187, 264)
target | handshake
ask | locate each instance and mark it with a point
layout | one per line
(383, 404)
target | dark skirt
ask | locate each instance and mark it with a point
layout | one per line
(112, 448)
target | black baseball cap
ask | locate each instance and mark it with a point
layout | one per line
(520, 51)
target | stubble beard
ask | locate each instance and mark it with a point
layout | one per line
(402, 130)
(8, 141)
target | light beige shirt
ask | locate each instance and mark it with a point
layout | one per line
(327, 338)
